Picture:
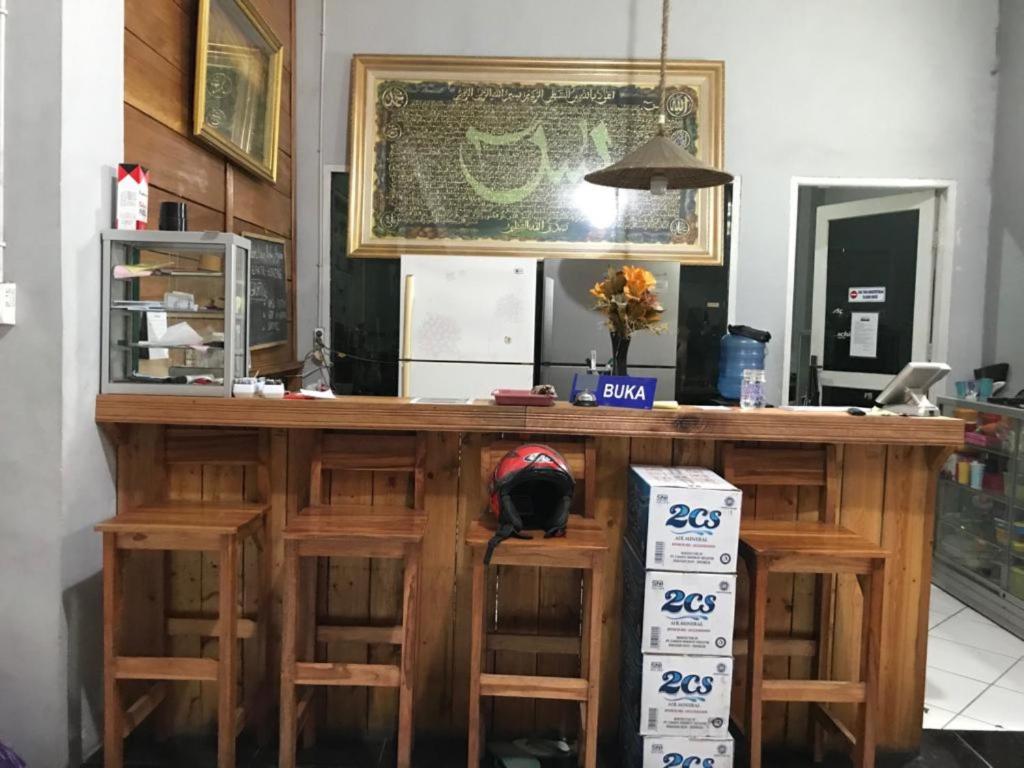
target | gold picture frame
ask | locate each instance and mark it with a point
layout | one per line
(239, 67)
(486, 156)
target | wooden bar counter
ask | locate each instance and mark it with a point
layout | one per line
(887, 466)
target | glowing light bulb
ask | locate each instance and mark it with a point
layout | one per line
(659, 185)
(598, 204)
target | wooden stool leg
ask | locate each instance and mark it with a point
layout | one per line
(410, 615)
(823, 621)
(289, 626)
(313, 574)
(476, 651)
(873, 587)
(594, 607)
(755, 656)
(113, 708)
(263, 611)
(227, 685)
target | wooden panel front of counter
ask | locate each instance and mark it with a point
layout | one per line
(888, 469)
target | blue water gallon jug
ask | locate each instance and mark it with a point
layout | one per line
(742, 347)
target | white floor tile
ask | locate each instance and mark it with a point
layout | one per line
(969, 614)
(999, 706)
(1014, 679)
(987, 637)
(967, 660)
(934, 619)
(950, 691)
(944, 603)
(961, 723)
(936, 718)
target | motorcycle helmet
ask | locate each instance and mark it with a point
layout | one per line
(531, 489)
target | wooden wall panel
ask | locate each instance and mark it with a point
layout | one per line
(200, 217)
(156, 87)
(159, 76)
(176, 164)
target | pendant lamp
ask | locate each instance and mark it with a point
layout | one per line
(660, 164)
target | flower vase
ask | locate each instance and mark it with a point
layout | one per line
(620, 351)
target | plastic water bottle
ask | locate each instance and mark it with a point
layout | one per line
(742, 348)
(752, 388)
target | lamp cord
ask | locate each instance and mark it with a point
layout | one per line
(661, 74)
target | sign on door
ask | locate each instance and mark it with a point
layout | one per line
(867, 295)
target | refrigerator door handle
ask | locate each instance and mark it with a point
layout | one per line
(409, 298)
(407, 332)
(548, 317)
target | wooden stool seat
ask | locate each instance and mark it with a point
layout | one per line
(774, 539)
(583, 537)
(397, 524)
(183, 517)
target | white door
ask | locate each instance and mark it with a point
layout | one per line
(874, 262)
(468, 309)
(462, 380)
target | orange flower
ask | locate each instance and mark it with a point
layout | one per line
(638, 281)
(598, 290)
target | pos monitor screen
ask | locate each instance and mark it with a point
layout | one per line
(908, 391)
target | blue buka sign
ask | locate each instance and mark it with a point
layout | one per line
(626, 391)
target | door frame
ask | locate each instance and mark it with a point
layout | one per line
(924, 201)
(945, 238)
(323, 264)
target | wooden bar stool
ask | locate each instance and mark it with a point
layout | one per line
(822, 548)
(357, 531)
(188, 526)
(584, 547)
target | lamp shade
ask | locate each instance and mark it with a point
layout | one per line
(659, 158)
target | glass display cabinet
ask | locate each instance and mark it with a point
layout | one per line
(979, 533)
(175, 312)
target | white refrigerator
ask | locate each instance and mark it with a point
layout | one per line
(467, 326)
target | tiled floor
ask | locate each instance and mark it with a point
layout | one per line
(975, 671)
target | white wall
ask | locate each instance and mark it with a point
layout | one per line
(64, 130)
(824, 88)
(92, 143)
(31, 665)
(1005, 310)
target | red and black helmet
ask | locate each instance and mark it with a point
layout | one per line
(531, 489)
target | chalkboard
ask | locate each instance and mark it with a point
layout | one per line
(268, 291)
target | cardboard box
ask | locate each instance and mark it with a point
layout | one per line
(678, 613)
(655, 613)
(131, 210)
(676, 752)
(685, 696)
(683, 519)
(668, 752)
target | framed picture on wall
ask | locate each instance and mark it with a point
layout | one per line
(455, 155)
(239, 65)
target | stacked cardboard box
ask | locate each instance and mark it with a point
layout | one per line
(678, 611)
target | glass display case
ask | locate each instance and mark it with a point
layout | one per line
(979, 533)
(175, 317)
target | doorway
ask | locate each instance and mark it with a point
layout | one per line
(863, 287)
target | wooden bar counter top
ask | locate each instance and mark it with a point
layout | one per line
(887, 474)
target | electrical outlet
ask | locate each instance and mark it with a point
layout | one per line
(8, 303)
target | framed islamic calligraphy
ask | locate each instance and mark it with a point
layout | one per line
(237, 100)
(487, 156)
